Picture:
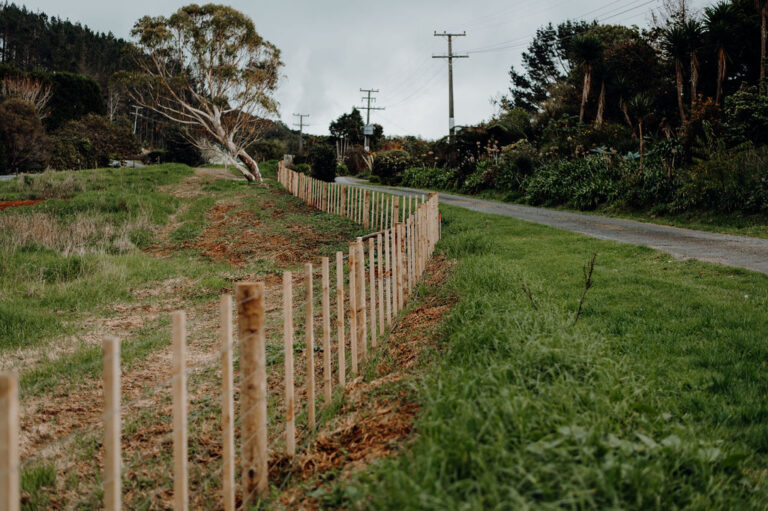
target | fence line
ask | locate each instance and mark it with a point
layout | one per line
(402, 236)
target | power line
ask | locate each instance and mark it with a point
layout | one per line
(450, 57)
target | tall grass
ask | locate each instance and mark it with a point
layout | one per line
(654, 400)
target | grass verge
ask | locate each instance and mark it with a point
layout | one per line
(653, 399)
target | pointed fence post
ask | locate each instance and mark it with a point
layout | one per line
(179, 386)
(111, 375)
(227, 403)
(326, 303)
(309, 327)
(10, 498)
(340, 316)
(290, 398)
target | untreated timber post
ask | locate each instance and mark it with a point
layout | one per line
(362, 315)
(290, 397)
(111, 369)
(179, 386)
(10, 499)
(388, 274)
(372, 288)
(309, 328)
(353, 306)
(379, 282)
(227, 404)
(340, 316)
(366, 209)
(326, 303)
(253, 388)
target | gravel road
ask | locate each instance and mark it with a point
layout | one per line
(726, 249)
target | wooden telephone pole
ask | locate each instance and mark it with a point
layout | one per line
(450, 57)
(368, 109)
(301, 125)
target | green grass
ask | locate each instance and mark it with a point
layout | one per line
(654, 399)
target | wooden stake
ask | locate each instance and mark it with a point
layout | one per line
(388, 274)
(227, 403)
(395, 269)
(343, 201)
(253, 388)
(380, 281)
(340, 316)
(179, 385)
(309, 326)
(10, 499)
(111, 370)
(372, 289)
(290, 396)
(366, 209)
(353, 307)
(326, 299)
(362, 325)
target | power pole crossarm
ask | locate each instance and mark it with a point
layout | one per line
(450, 57)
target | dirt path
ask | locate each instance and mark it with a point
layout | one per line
(725, 249)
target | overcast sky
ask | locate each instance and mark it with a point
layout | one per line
(332, 48)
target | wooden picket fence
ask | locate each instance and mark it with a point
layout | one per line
(405, 231)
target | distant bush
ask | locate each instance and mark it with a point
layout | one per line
(427, 177)
(179, 149)
(746, 116)
(390, 165)
(303, 168)
(323, 161)
(342, 170)
(92, 142)
(22, 136)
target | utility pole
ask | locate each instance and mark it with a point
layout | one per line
(368, 130)
(301, 130)
(450, 57)
(135, 117)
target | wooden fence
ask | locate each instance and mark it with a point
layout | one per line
(403, 237)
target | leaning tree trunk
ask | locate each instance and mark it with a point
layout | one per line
(720, 74)
(694, 77)
(251, 163)
(585, 91)
(679, 84)
(625, 111)
(600, 105)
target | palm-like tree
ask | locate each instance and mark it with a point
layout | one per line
(762, 8)
(675, 43)
(641, 107)
(623, 86)
(694, 38)
(587, 51)
(719, 21)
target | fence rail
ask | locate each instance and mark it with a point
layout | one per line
(403, 234)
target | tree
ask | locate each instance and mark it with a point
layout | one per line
(675, 44)
(22, 135)
(720, 21)
(762, 8)
(29, 89)
(587, 51)
(349, 126)
(641, 107)
(91, 142)
(208, 69)
(693, 37)
(545, 62)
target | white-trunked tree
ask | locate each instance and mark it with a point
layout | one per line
(206, 68)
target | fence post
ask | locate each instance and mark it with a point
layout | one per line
(290, 403)
(111, 375)
(309, 327)
(353, 307)
(179, 386)
(10, 498)
(379, 286)
(366, 209)
(372, 288)
(326, 300)
(227, 403)
(343, 201)
(253, 388)
(388, 275)
(394, 262)
(362, 315)
(340, 316)
(400, 269)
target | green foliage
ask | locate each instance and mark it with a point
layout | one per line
(92, 142)
(746, 114)
(74, 97)
(437, 178)
(304, 168)
(22, 136)
(323, 161)
(390, 165)
(179, 148)
(582, 183)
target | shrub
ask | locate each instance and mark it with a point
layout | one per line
(342, 170)
(323, 160)
(390, 165)
(304, 168)
(92, 142)
(180, 149)
(428, 177)
(22, 136)
(517, 162)
(746, 116)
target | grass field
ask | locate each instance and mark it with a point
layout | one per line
(654, 398)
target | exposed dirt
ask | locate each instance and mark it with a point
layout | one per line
(17, 203)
